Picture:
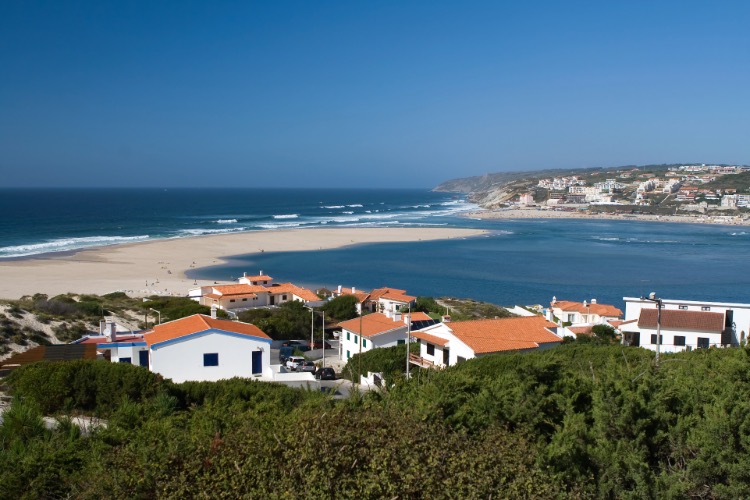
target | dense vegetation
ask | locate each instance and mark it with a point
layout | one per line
(576, 421)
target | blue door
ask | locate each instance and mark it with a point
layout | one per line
(257, 362)
(143, 358)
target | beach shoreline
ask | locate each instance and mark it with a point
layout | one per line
(536, 213)
(159, 267)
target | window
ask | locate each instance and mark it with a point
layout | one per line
(400, 342)
(653, 339)
(125, 360)
(244, 300)
(364, 342)
(211, 359)
(348, 354)
(348, 336)
(571, 318)
(430, 349)
(232, 300)
(703, 343)
(683, 308)
(679, 340)
(283, 297)
(356, 340)
(705, 308)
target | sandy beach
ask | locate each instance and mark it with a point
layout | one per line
(159, 267)
(536, 213)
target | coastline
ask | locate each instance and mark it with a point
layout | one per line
(159, 267)
(536, 213)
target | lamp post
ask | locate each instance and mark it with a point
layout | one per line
(157, 312)
(324, 339)
(312, 326)
(408, 342)
(659, 304)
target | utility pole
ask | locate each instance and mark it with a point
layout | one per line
(324, 339)
(408, 342)
(659, 304)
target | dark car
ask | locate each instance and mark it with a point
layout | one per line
(319, 345)
(326, 373)
(296, 344)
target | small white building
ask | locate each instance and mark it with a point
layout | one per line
(446, 344)
(582, 313)
(685, 324)
(376, 330)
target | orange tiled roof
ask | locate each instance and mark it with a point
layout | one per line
(432, 339)
(241, 289)
(506, 334)
(300, 292)
(600, 309)
(361, 295)
(260, 277)
(683, 320)
(420, 316)
(198, 323)
(372, 324)
(580, 330)
(391, 294)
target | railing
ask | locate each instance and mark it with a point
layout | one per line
(420, 361)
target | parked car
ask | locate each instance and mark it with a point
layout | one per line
(293, 362)
(297, 344)
(306, 366)
(319, 345)
(326, 373)
(285, 353)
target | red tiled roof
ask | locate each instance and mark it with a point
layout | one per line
(432, 339)
(580, 330)
(372, 324)
(506, 334)
(676, 319)
(420, 316)
(599, 309)
(260, 277)
(303, 293)
(391, 294)
(241, 289)
(199, 323)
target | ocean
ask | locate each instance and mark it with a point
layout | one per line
(517, 262)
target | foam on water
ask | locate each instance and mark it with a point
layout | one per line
(67, 244)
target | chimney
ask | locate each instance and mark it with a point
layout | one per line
(407, 319)
(339, 290)
(112, 331)
(244, 274)
(354, 290)
(102, 326)
(396, 316)
(213, 311)
(261, 272)
(593, 301)
(446, 319)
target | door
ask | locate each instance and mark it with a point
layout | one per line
(143, 358)
(446, 356)
(257, 363)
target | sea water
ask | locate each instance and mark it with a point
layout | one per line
(517, 262)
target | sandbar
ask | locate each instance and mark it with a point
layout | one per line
(159, 266)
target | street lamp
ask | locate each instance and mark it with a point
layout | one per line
(659, 304)
(312, 326)
(157, 312)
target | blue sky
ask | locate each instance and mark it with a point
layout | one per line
(364, 93)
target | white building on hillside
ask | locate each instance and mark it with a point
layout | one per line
(376, 330)
(685, 324)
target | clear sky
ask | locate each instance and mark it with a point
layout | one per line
(364, 93)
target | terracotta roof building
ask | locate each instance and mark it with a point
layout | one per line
(451, 343)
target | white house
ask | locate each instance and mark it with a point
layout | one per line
(446, 344)
(251, 292)
(198, 348)
(582, 313)
(685, 324)
(376, 330)
(384, 300)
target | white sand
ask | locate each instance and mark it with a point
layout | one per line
(158, 267)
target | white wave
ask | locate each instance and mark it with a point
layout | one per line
(347, 212)
(226, 221)
(280, 225)
(67, 244)
(356, 205)
(332, 206)
(604, 238)
(741, 233)
(286, 216)
(201, 232)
